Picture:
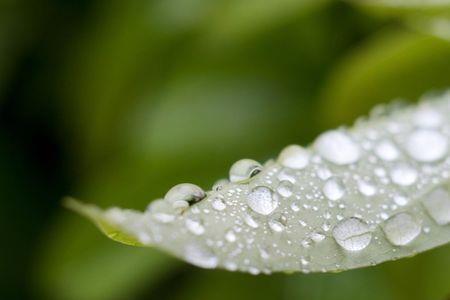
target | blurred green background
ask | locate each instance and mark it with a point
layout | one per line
(114, 102)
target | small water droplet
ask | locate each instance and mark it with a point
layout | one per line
(285, 188)
(387, 151)
(219, 184)
(401, 200)
(337, 147)
(294, 157)
(403, 175)
(333, 189)
(195, 227)
(244, 169)
(317, 237)
(218, 204)
(230, 236)
(262, 200)
(427, 145)
(437, 204)
(276, 226)
(200, 256)
(183, 195)
(352, 234)
(401, 229)
(250, 221)
(366, 188)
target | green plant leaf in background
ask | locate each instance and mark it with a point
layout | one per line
(358, 197)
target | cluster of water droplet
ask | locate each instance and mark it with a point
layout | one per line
(353, 198)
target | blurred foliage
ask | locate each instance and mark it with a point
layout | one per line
(114, 102)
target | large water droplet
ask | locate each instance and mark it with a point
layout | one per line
(337, 147)
(201, 256)
(183, 195)
(437, 203)
(262, 200)
(387, 151)
(427, 145)
(333, 189)
(294, 157)
(404, 175)
(352, 234)
(244, 169)
(401, 229)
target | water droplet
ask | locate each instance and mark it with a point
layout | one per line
(352, 234)
(200, 256)
(324, 173)
(230, 236)
(244, 169)
(285, 188)
(401, 229)
(333, 189)
(183, 195)
(317, 237)
(161, 211)
(250, 221)
(218, 186)
(427, 117)
(427, 145)
(387, 151)
(401, 200)
(294, 157)
(337, 147)
(437, 204)
(195, 227)
(218, 204)
(366, 188)
(403, 175)
(262, 200)
(276, 226)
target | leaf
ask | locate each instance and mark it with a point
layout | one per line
(357, 197)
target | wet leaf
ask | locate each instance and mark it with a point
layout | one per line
(356, 197)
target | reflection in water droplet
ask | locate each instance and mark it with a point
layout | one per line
(403, 175)
(244, 169)
(437, 204)
(201, 256)
(333, 189)
(352, 234)
(427, 145)
(337, 147)
(262, 200)
(401, 229)
(294, 157)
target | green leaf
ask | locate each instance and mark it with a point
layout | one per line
(357, 197)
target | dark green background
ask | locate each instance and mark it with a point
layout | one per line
(115, 101)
